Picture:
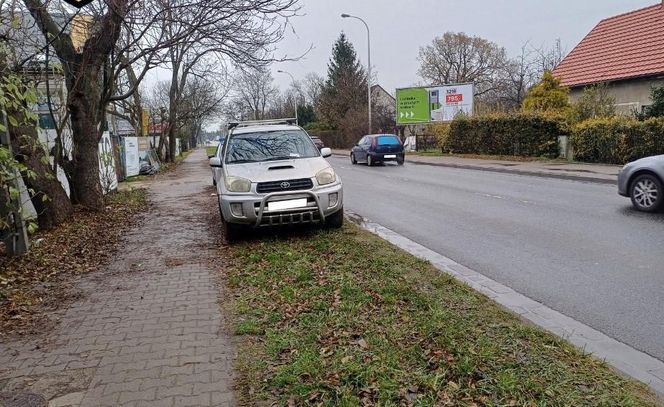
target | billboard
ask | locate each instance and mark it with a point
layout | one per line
(434, 104)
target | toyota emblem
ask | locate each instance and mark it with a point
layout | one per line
(285, 185)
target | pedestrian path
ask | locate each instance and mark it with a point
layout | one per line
(148, 330)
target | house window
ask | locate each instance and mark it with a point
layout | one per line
(46, 121)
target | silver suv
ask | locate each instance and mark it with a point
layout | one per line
(270, 173)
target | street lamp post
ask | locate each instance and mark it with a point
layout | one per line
(295, 97)
(368, 62)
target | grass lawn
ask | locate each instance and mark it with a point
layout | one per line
(344, 318)
(211, 150)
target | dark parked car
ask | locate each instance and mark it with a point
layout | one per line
(318, 142)
(378, 148)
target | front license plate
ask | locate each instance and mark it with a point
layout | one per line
(290, 204)
(391, 156)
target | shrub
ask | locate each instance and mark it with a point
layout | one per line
(547, 96)
(520, 134)
(441, 131)
(617, 140)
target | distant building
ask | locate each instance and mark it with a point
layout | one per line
(384, 110)
(626, 52)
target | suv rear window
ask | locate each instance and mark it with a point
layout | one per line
(388, 141)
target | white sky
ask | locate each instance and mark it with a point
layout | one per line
(400, 28)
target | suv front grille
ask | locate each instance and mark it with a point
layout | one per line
(286, 185)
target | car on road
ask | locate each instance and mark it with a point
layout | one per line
(378, 148)
(643, 182)
(270, 173)
(318, 142)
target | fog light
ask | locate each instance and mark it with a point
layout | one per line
(236, 209)
(333, 199)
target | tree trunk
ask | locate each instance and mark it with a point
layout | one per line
(84, 101)
(49, 198)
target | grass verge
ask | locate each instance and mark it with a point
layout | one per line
(33, 284)
(211, 150)
(439, 153)
(344, 318)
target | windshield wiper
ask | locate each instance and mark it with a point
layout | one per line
(281, 158)
(242, 161)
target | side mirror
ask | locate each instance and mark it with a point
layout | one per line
(326, 152)
(215, 162)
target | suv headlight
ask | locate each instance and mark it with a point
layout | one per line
(326, 176)
(237, 184)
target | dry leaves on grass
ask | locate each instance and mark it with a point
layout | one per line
(37, 282)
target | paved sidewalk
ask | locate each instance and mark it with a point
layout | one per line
(601, 173)
(148, 330)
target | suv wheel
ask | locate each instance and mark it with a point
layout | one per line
(336, 220)
(231, 231)
(647, 193)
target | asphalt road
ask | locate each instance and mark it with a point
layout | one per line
(577, 247)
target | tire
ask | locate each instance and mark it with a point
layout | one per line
(352, 159)
(647, 193)
(214, 182)
(336, 220)
(401, 160)
(370, 161)
(232, 232)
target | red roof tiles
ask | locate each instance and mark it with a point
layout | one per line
(626, 46)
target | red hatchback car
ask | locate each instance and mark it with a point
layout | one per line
(378, 148)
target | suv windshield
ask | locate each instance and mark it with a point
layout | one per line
(270, 146)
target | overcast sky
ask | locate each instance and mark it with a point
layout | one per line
(400, 28)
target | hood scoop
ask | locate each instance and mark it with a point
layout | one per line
(281, 167)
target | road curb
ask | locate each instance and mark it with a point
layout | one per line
(580, 178)
(622, 357)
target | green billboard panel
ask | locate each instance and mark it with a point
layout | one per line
(413, 106)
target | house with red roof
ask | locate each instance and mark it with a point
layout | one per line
(626, 52)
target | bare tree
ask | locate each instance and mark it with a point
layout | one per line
(459, 58)
(241, 32)
(202, 99)
(254, 90)
(516, 78)
(92, 69)
(548, 58)
(312, 87)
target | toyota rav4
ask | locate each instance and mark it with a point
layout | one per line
(270, 173)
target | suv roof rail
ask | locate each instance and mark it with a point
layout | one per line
(270, 122)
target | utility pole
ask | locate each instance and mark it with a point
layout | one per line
(17, 241)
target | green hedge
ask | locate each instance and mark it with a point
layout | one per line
(334, 138)
(528, 135)
(617, 140)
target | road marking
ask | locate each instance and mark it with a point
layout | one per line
(490, 196)
(622, 357)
